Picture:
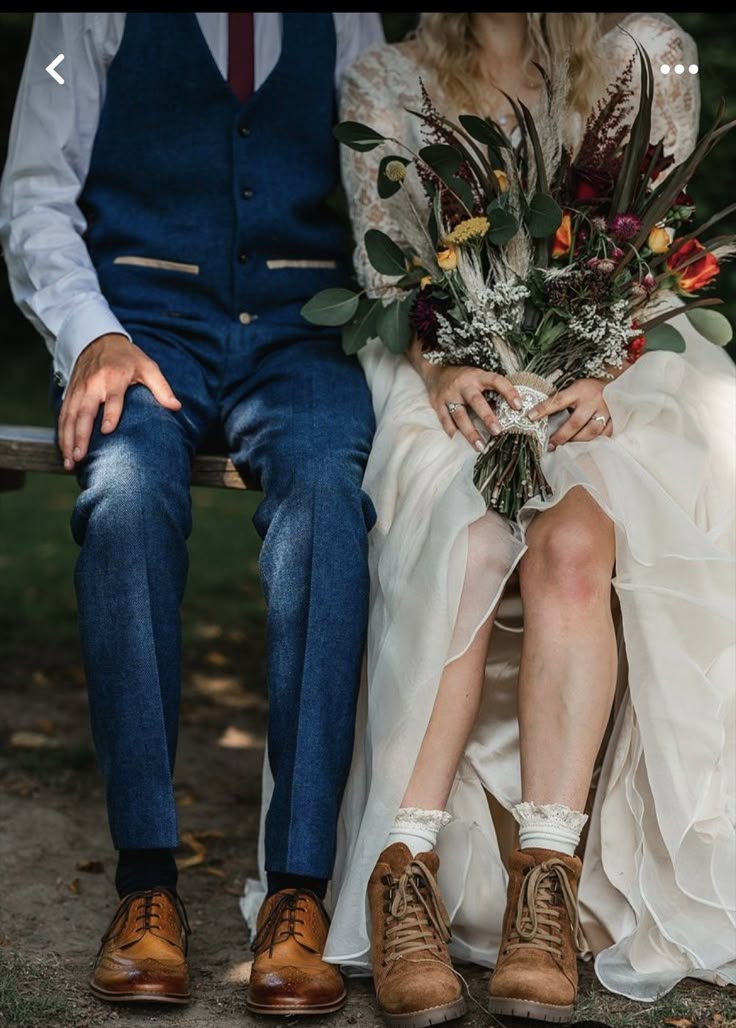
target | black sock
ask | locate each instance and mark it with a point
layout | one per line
(278, 880)
(145, 869)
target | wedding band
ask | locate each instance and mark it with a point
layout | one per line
(602, 418)
(452, 407)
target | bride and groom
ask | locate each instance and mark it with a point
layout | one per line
(162, 228)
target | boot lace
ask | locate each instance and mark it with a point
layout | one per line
(282, 924)
(417, 919)
(545, 893)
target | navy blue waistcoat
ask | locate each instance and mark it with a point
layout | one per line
(202, 204)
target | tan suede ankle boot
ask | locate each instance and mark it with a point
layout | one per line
(412, 971)
(536, 973)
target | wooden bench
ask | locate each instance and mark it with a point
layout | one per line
(25, 448)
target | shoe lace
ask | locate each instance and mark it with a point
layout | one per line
(417, 919)
(282, 924)
(148, 917)
(538, 920)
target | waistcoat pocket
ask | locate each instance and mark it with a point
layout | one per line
(154, 262)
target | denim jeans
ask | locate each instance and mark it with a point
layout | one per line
(296, 414)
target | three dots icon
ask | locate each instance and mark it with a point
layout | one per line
(679, 69)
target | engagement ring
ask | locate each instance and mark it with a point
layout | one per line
(452, 407)
(600, 417)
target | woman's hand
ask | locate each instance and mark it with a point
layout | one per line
(455, 391)
(590, 416)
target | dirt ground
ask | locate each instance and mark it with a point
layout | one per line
(56, 864)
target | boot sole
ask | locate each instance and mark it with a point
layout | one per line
(528, 1008)
(139, 997)
(424, 1018)
(296, 1011)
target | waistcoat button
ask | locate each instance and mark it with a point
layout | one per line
(245, 318)
(246, 193)
(244, 130)
(243, 257)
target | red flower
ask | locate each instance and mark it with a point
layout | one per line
(591, 186)
(625, 227)
(696, 274)
(636, 348)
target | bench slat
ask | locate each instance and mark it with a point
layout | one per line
(29, 448)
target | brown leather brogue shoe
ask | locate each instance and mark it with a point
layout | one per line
(143, 953)
(410, 928)
(289, 975)
(536, 974)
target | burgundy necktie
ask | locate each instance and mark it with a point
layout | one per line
(240, 60)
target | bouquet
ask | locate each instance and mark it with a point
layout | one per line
(538, 265)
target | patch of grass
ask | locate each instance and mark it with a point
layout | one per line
(26, 1000)
(701, 1004)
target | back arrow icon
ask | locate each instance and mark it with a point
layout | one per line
(54, 74)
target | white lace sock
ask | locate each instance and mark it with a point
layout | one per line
(417, 829)
(549, 826)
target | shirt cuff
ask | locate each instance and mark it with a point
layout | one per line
(81, 327)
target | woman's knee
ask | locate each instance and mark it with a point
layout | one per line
(571, 558)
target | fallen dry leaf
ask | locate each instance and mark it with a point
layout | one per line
(217, 658)
(216, 872)
(92, 867)
(75, 886)
(30, 740)
(236, 739)
(190, 840)
(46, 726)
(679, 1022)
(40, 678)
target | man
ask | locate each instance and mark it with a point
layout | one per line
(163, 220)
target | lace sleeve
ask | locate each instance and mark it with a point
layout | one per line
(375, 92)
(676, 108)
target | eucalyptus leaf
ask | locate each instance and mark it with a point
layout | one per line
(331, 307)
(664, 337)
(357, 136)
(443, 159)
(543, 216)
(711, 324)
(363, 326)
(481, 130)
(386, 186)
(503, 226)
(392, 325)
(383, 253)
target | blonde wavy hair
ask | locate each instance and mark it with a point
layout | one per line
(451, 51)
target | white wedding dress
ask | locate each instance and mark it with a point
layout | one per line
(658, 888)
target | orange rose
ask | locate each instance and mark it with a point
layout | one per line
(447, 258)
(563, 237)
(696, 274)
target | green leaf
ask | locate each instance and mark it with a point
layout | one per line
(433, 229)
(664, 337)
(481, 130)
(383, 253)
(392, 325)
(504, 226)
(357, 136)
(331, 307)
(543, 216)
(500, 201)
(363, 327)
(711, 324)
(443, 159)
(386, 186)
(462, 191)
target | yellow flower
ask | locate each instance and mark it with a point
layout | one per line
(447, 259)
(471, 228)
(426, 281)
(659, 240)
(502, 179)
(395, 171)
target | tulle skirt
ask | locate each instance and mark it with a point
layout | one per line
(658, 891)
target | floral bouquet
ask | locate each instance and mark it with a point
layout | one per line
(537, 265)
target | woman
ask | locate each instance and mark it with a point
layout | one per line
(639, 469)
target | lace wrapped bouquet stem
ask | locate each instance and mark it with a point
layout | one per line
(537, 264)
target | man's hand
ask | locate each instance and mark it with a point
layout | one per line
(102, 374)
(590, 416)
